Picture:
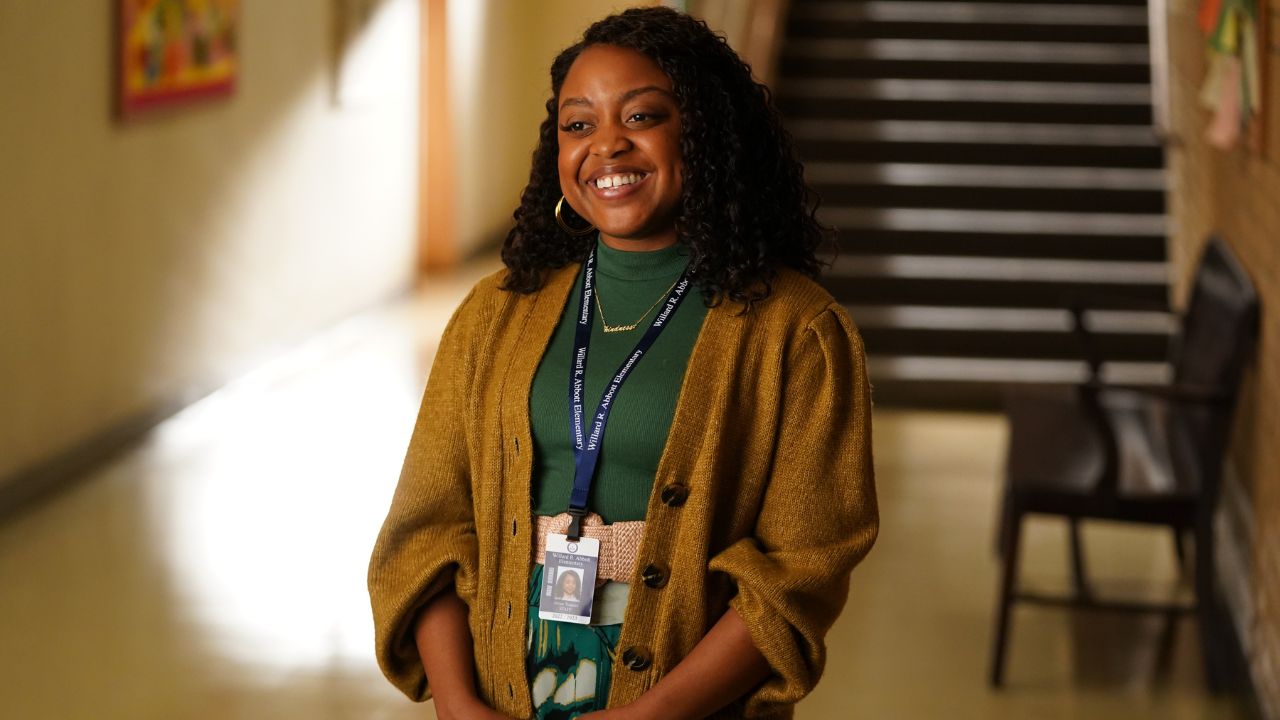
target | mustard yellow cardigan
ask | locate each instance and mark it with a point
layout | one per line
(764, 498)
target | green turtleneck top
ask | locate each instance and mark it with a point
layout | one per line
(627, 284)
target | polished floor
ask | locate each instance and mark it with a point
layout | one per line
(217, 570)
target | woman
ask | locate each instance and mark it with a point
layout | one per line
(725, 472)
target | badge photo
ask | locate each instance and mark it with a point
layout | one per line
(569, 579)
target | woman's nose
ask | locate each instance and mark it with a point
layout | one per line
(610, 141)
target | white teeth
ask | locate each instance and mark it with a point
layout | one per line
(613, 181)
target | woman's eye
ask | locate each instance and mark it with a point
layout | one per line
(574, 127)
(639, 117)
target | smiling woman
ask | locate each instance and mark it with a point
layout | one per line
(705, 459)
(619, 158)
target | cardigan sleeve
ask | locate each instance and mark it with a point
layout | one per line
(818, 516)
(428, 540)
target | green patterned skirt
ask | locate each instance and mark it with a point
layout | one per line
(570, 666)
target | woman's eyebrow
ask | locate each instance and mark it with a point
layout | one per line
(575, 101)
(584, 102)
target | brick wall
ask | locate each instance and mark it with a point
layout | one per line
(1237, 194)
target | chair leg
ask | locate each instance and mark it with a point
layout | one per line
(1002, 525)
(1077, 560)
(1008, 585)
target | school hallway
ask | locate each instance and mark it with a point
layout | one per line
(222, 288)
(217, 569)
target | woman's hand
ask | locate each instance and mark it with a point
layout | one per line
(723, 666)
(472, 708)
(444, 642)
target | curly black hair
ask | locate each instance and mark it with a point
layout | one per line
(745, 209)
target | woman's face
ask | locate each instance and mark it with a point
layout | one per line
(570, 584)
(619, 143)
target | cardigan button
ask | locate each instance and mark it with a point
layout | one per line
(636, 658)
(675, 494)
(654, 576)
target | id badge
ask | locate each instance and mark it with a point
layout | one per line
(569, 579)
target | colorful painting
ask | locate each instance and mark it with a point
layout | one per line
(173, 51)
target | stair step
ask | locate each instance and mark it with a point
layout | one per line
(973, 132)
(986, 176)
(923, 11)
(865, 241)
(818, 107)
(960, 100)
(1023, 344)
(994, 221)
(970, 51)
(801, 30)
(996, 282)
(1018, 144)
(795, 4)
(908, 290)
(1010, 332)
(949, 70)
(993, 91)
(1080, 200)
(1019, 270)
(991, 370)
(995, 319)
(987, 187)
(974, 153)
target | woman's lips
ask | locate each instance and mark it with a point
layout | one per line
(618, 192)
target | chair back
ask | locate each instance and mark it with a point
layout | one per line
(1216, 340)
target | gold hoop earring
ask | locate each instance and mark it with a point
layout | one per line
(565, 226)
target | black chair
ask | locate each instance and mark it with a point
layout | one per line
(1140, 454)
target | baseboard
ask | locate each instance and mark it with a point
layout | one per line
(34, 484)
(1233, 531)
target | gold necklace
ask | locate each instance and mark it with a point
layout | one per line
(624, 328)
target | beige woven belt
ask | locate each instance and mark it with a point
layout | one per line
(619, 543)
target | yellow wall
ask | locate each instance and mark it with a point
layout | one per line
(1236, 193)
(499, 84)
(140, 262)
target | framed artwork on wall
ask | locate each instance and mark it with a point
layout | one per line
(173, 52)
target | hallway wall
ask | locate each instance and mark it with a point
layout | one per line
(145, 262)
(1235, 193)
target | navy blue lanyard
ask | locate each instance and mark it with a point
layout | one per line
(586, 447)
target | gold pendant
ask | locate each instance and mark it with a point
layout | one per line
(626, 328)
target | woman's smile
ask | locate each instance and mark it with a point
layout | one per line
(619, 147)
(615, 183)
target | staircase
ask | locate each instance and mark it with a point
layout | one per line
(987, 165)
